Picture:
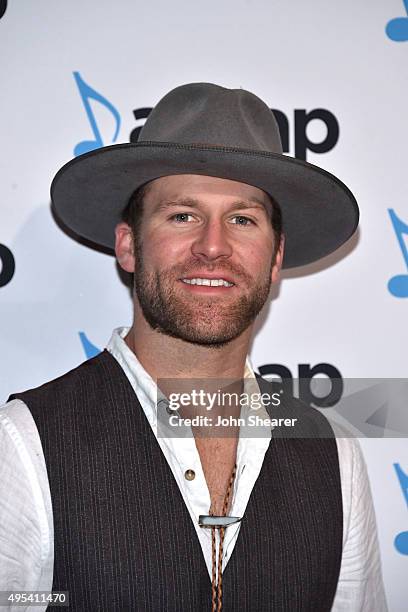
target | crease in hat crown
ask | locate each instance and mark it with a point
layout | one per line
(209, 114)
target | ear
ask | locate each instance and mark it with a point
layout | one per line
(124, 247)
(278, 260)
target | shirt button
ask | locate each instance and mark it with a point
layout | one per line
(170, 411)
(189, 474)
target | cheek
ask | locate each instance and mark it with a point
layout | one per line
(161, 250)
(257, 258)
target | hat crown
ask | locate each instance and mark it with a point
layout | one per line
(207, 114)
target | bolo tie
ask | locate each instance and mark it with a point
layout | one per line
(220, 522)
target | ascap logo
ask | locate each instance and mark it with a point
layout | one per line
(305, 376)
(302, 120)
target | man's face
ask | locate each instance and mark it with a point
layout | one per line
(196, 230)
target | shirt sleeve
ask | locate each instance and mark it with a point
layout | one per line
(26, 529)
(360, 587)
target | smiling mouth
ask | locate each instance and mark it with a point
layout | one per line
(207, 282)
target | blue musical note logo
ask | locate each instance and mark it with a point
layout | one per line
(401, 540)
(88, 93)
(397, 29)
(398, 285)
(90, 349)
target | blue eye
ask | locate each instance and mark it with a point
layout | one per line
(175, 217)
(242, 218)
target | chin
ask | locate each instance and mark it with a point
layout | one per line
(204, 337)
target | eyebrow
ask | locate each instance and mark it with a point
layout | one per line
(249, 203)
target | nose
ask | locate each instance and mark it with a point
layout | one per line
(212, 242)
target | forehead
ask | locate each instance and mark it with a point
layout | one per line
(204, 188)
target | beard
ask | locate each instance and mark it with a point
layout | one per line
(207, 321)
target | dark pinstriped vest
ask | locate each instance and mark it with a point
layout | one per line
(124, 539)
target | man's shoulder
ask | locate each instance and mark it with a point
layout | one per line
(90, 371)
(309, 421)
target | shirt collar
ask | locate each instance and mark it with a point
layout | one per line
(142, 383)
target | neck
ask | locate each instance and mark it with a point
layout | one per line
(163, 356)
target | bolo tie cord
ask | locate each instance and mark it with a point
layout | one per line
(216, 588)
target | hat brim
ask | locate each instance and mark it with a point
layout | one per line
(319, 212)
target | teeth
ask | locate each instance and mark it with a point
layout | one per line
(216, 282)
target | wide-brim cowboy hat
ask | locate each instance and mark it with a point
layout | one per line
(201, 128)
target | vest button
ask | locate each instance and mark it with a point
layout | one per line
(189, 474)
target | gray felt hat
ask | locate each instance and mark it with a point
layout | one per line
(201, 128)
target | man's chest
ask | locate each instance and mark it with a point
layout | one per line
(218, 457)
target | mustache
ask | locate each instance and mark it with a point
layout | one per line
(235, 271)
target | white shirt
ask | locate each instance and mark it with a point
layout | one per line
(26, 521)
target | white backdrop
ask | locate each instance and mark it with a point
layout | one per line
(346, 58)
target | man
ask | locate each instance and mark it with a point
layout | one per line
(95, 501)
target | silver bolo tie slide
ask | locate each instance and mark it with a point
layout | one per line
(205, 520)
